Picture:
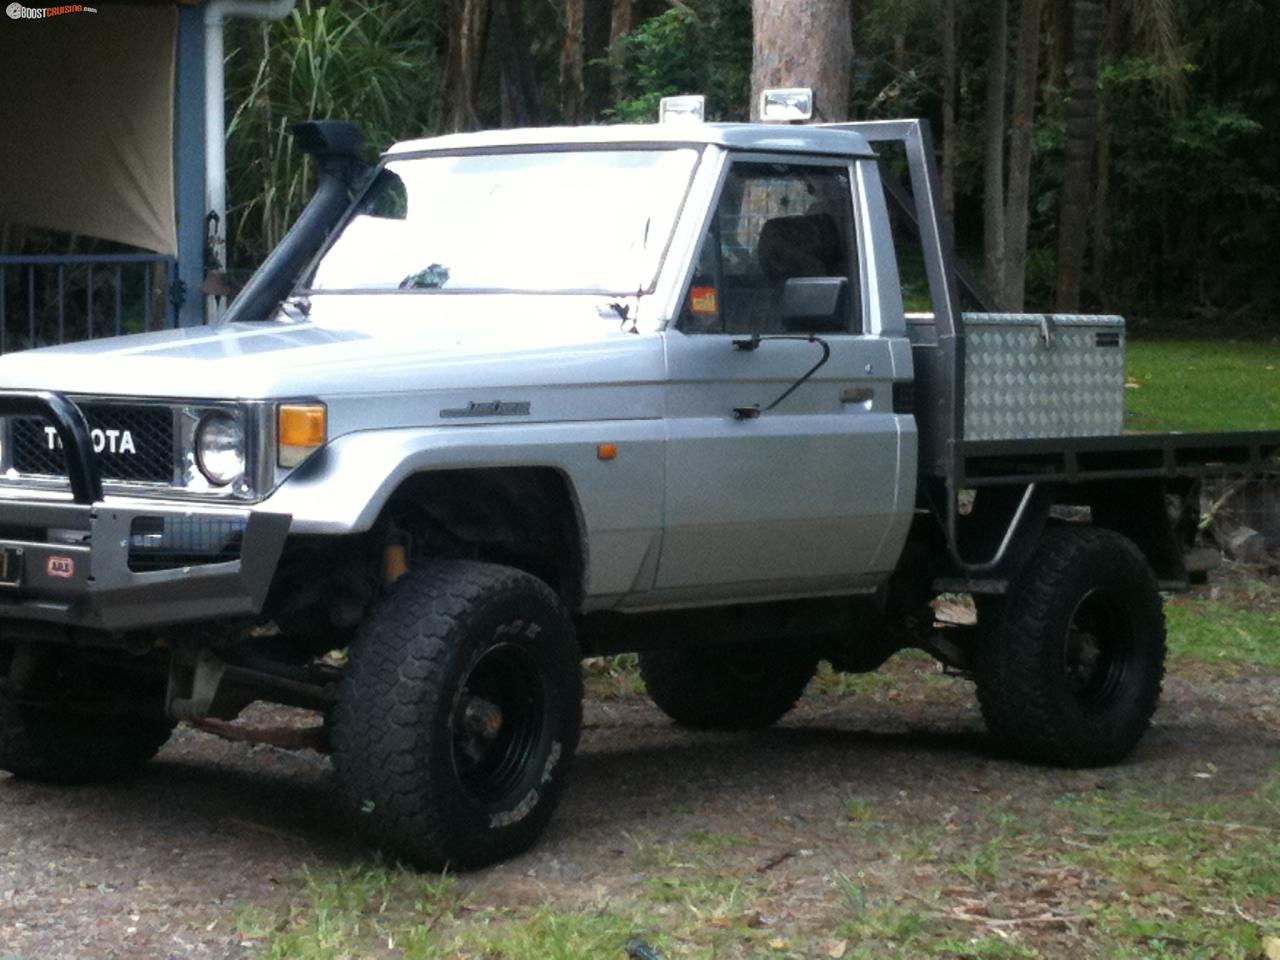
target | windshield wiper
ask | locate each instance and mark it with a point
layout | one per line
(299, 305)
(431, 277)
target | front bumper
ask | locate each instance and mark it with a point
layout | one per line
(73, 567)
(76, 563)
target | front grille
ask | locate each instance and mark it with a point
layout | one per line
(132, 443)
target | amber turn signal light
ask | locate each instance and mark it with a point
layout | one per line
(302, 429)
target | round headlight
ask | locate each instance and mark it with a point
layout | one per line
(220, 448)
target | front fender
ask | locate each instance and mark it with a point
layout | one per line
(343, 488)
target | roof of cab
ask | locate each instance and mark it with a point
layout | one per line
(737, 136)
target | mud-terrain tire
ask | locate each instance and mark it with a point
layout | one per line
(726, 687)
(55, 745)
(1070, 666)
(458, 715)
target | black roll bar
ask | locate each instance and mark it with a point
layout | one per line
(72, 429)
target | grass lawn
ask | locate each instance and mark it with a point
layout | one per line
(1202, 385)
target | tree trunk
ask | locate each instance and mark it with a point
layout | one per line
(1082, 141)
(597, 47)
(620, 24)
(571, 85)
(1102, 205)
(803, 43)
(1057, 29)
(949, 109)
(469, 25)
(993, 150)
(519, 85)
(1025, 77)
(1111, 47)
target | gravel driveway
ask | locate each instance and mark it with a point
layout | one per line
(163, 866)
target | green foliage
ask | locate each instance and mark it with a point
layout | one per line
(612, 678)
(660, 60)
(702, 48)
(1195, 200)
(373, 61)
(898, 64)
(1189, 86)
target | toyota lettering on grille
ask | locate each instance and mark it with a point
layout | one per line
(108, 441)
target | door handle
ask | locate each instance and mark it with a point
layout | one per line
(857, 394)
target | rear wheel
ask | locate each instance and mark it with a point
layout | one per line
(726, 687)
(459, 713)
(1070, 666)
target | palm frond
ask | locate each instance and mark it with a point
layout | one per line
(377, 62)
(1156, 34)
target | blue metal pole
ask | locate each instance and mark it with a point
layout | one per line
(50, 259)
(119, 296)
(188, 156)
(172, 305)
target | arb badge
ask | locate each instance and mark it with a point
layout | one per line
(64, 568)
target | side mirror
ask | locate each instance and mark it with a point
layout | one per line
(815, 304)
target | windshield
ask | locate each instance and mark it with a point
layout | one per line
(589, 221)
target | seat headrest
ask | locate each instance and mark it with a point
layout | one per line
(804, 245)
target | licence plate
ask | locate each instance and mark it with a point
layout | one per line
(10, 566)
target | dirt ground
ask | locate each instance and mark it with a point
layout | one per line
(874, 814)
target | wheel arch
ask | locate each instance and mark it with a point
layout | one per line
(525, 517)
(1140, 511)
(1137, 509)
(616, 500)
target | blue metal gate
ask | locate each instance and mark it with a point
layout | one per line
(56, 298)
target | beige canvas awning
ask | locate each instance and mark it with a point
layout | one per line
(86, 124)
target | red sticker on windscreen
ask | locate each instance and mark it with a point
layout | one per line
(702, 300)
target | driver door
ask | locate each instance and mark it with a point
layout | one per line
(786, 495)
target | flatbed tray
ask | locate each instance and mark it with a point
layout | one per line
(1128, 456)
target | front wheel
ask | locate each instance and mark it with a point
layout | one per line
(458, 715)
(64, 740)
(1070, 666)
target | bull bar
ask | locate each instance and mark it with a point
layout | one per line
(67, 562)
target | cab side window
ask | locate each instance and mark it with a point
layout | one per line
(775, 224)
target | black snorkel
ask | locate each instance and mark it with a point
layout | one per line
(338, 150)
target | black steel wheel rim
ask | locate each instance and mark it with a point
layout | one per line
(1098, 650)
(497, 722)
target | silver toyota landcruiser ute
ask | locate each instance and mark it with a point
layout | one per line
(507, 399)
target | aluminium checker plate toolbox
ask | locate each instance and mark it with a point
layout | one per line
(1040, 375)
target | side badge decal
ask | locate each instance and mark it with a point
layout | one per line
(494, 408)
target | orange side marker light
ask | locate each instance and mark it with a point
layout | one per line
(302, 429)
